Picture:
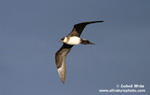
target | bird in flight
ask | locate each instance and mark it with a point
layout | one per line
(68, 42)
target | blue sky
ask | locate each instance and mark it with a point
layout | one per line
(30, 31)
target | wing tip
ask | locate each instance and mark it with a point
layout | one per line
(89, 22)
(63, 78)
(96, 21)
(102, 21)
(63, 81)
(62, 73)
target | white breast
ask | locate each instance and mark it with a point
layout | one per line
(73, 40)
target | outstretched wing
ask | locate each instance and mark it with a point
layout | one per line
(60, 57)
(78, 28)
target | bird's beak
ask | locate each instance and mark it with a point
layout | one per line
(60, 41)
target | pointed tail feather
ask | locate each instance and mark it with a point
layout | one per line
(85, 42)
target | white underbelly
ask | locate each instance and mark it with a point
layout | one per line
(73, 41)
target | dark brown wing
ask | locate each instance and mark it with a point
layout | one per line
(60, 57)
(78, 28)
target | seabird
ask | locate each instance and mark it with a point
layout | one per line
(68, 42)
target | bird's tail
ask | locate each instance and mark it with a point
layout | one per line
(85, 42)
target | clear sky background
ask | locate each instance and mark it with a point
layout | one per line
(30, 31)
